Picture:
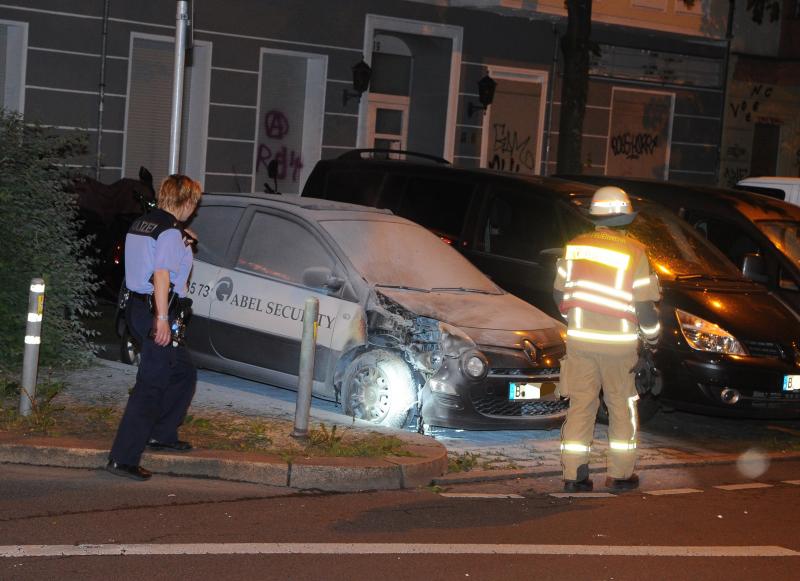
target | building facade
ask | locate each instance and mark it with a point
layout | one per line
(272, 80)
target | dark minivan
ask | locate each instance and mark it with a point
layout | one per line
(758, 233)
(728, 346)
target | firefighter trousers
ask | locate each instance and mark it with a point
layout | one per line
(583, 374)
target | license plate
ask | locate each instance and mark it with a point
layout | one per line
(529, 391)
(791, 383)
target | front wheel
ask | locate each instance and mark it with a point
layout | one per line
(647, 407)
(378, 387)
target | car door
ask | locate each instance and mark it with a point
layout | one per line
(214, 226)
(258, 305)
(517, 239)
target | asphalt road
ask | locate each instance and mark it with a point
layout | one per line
(130, 530)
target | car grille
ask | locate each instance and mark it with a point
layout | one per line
(525, 372)
(496, 406)
(763, 349)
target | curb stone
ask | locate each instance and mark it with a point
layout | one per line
(329, 474)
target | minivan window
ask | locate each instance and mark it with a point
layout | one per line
(281, 248)
(438, 204)
(214, 226)
(353, 187)
(731, 239)
(785, 235)
(519, 225)
(675, 248)
(405, 255)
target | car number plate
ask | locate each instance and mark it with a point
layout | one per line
(529, 391)
(791, 383)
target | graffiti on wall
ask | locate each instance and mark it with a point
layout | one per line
(745, 109)
(275, 129)
(510, 152)
(634, 145)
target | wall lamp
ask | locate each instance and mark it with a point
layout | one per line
(362, 73)
(486, 87)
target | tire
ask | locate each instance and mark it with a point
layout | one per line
(128, 348)
(378, 387)
(647, 407)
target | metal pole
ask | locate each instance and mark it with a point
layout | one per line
(101, 103)
(181, 21)
(305, 376)
(33, 332)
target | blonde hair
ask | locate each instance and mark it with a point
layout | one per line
(176, 190)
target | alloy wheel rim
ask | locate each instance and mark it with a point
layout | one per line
(369, 396)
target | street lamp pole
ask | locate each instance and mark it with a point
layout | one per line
(181, 25)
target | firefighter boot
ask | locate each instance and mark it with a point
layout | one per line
(582, 484)
(622, 484)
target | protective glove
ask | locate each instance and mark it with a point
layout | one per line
(646, 376)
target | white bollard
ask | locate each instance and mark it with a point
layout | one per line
(305, 376)
(33, 334)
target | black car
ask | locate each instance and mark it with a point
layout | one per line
(758, 233)
(728, 346)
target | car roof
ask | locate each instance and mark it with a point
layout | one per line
(313, 208)
(752, 205)
(756, 180)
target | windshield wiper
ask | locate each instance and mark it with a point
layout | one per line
(463, 290)
(403, 287)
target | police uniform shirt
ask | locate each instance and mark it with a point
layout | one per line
(155, 242)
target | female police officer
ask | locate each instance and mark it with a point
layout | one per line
(158, 261)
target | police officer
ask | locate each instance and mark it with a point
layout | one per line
(158, 261)
(606, 291)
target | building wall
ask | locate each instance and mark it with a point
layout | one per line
(63, 67)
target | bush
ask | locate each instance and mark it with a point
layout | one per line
(39, 238)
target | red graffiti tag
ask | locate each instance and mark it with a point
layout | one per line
(276, 125)
(287, 160)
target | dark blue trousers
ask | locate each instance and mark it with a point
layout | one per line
(165, 385)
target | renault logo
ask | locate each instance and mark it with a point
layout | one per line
(529, 349)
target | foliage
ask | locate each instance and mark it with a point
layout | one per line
(462, 462)
(39, 222)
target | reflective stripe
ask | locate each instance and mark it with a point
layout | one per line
(620, 279)
(642, 282)
(34, 317)
(32, 340)
(569, 269)
(651, 331)
(622, 445)
(634, 414)
(573, 447)
(603, 337)
(605, 256)
(578, 317)
(625, 327)
(562, 272)
(603, 301)
(601, 288)
(37, 288)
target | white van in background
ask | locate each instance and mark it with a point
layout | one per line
(783, 188)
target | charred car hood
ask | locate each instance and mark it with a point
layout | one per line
(749, 312)
(502, 320)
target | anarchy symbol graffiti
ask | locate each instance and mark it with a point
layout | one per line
(276, 125)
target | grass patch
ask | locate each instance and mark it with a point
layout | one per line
(462, 462)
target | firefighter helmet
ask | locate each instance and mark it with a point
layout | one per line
(611, 207)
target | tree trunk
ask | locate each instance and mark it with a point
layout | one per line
(575, 46)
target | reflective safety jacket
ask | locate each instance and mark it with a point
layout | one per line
(602, 276)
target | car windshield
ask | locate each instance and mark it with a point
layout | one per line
(675, 249)
(784, 235)
(404, 255)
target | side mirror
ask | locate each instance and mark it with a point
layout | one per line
(753, 267)
(322, 277)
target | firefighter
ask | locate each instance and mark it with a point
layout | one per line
(607, 293)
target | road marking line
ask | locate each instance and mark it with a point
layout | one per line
(19, 551)
(795, 482)
(478, 495)
(583, 494)
(743, 486)
(672, 491)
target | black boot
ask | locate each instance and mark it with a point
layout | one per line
(582, 484)
(621, 484)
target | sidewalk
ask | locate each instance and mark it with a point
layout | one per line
(105, 385)
(232, 401)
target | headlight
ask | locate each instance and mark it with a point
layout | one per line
(474, 366)
(706, 336)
